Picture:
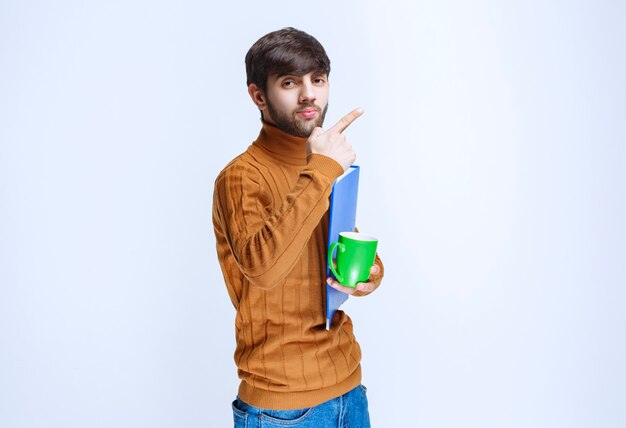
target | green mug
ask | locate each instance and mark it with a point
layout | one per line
(356, 253)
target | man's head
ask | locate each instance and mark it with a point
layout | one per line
(287, 76)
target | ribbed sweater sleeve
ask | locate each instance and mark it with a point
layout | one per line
(267, 243)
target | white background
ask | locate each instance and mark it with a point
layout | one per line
(493, 171)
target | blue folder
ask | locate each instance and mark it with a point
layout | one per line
(342, 218)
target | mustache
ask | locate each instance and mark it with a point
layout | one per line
(306, 106)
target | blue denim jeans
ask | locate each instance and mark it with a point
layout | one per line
(348, 410)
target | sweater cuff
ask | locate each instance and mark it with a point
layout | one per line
(326, 165)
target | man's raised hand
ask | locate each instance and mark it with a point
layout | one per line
(332, 142)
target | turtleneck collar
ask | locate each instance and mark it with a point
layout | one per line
(281, 146)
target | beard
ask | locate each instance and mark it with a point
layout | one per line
(292, 124)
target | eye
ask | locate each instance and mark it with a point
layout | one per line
(320, 81)
(289, 84)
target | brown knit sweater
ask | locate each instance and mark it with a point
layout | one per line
(270, 216)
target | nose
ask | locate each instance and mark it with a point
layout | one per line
(307, 93)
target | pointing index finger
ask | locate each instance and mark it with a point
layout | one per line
(345, 121)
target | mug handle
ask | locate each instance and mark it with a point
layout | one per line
(331, 250)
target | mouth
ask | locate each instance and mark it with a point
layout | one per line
(308, 113)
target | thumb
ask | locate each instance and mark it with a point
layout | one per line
(317, 131)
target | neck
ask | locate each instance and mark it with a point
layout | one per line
(282, 146)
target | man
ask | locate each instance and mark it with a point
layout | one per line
(270, 216)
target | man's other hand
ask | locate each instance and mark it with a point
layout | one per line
(362, 287)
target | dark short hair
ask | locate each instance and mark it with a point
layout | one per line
(286, 51)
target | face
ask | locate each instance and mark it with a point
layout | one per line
(295, 104)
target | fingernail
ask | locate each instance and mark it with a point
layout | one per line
(361, 287)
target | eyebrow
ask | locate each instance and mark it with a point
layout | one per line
(315, 73)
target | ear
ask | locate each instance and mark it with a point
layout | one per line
(257, 95)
